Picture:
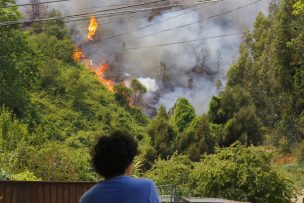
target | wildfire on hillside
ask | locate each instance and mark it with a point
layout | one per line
(77, 54)
(99, 70)
(92, 28)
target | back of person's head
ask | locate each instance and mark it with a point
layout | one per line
(112, 154)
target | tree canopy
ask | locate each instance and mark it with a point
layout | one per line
(183, 114)
(52, 110)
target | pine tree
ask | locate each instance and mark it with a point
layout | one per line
(183, 114)
(162, 133)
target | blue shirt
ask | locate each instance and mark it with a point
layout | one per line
(122, 189)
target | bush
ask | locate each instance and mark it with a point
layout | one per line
(241, 173)
(175, 171)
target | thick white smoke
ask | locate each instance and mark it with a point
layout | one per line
(188, 70)
(149, 83)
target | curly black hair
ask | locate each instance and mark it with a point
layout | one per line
(113, 154)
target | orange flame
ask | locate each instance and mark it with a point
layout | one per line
(92, 28)
(98, 70)
(77, 54)
(100, 73)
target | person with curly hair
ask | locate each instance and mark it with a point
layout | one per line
(112, 158)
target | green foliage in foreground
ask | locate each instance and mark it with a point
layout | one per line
(241, 173)
(299, 7)
(25, 176)
(237, 172)
(294, 171)
(175, 171)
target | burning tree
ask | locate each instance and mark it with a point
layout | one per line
(122, 94)
(99, 70)
(138, 91)
(92, 29)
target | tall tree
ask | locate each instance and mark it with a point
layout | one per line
(138, 91)
(270, 68)
(224, 106)
(163, 134)
(17, 67)
(196, 139)
(183, 114)
(245, 126)
(122, 94)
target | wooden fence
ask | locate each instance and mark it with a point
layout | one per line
(42, 192)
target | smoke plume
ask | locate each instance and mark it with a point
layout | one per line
(195, 70)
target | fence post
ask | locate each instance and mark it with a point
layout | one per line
(175, 196)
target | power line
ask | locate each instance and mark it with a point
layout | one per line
(154, 23)
(210, 17)
(148, 14)
(166, 44)
(95, 7)
(182, 26)
(186, 41)
(127, 17)
(175, 43)
(30, 4)
(170, 43)
(151, 24)
(183, 42)
(147, 9)
(80, 14)
(107, 6)
(105, 10)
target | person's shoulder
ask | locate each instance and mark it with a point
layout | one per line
(150, 190)
(86, 197)
(89, 195)
(142, 181)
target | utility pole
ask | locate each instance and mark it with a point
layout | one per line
(219, 58)
(35, 9)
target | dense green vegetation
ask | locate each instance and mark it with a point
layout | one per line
(53, 109)
(238, 172)
(270, 70)
(298, 7)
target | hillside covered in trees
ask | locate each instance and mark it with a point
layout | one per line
(53, 109)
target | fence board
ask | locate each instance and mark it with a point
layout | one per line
(42, 192)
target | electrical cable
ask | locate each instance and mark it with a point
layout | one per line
(80, 14)
(30, 4)
(166, 44)
(183, 42)
(105, 10)
(199, 21)
(154, 23)
(116, 20)
(182, 26)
